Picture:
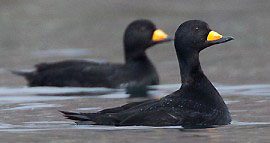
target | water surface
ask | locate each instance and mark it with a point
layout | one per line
(32, 113)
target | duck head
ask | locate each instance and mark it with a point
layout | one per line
(140, 35)
(195, 35)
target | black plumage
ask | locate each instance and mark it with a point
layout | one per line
(138, 70)
(196, 104)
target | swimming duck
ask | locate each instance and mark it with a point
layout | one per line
(138, 70)
(196, 104)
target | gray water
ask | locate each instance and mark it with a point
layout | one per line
(31, 114)
(34, 31)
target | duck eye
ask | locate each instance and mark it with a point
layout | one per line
(197, 28)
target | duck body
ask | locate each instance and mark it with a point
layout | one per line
(176, 109)
(137, 70)
(196, 104)
(80, 73)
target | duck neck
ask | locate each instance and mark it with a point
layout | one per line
(195, 85)
(135, 54)
(190, 67)
(137, 58)
(194, 80)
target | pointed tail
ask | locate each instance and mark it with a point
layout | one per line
(28, 75)
(76, 116)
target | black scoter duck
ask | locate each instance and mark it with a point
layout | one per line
(137, 70)
(196, 104)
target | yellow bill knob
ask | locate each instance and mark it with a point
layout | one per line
(213, 36)
(159, 35)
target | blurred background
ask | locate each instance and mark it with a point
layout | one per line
(33, 31)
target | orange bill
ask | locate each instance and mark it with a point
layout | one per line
(212, 36)
(159, 35)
